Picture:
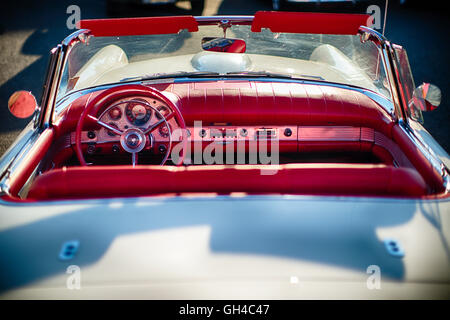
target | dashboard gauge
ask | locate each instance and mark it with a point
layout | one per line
(109, 132)
(164, 111)
(115, 113)
(138, 113)
(164, 131)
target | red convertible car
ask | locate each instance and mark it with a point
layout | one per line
(274, 156)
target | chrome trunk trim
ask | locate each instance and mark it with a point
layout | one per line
(256, 198)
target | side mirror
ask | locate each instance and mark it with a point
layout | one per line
(223, 45)
(427, 97)
(22, 104)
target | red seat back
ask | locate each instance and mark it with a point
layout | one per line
(325, 179)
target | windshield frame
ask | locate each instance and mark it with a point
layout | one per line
(365, 33)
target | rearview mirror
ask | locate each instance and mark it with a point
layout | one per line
(22, 104)
(223, 45)
(427, 97)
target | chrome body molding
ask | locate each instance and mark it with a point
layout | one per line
(382, 101)
(16, 146)
(423, 147)
(166, 199)
(18, 152)
(447, 183)
(430, 143)
(15, 154)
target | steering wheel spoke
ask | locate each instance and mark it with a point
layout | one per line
(134, 158)
(154, 126)
(105, 125)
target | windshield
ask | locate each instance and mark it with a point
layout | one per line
(331, 58)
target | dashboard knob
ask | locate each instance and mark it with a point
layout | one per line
(91, 149)
(91, 134)
(243, 132)
(162, 148)
(288, 132)
(202, 133)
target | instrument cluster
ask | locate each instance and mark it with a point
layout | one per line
(135, 112)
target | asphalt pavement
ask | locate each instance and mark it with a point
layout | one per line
(29, 29)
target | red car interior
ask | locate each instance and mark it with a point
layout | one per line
(324, 123)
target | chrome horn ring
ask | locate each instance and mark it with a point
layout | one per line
(133, 140)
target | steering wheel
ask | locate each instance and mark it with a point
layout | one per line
(134, 139)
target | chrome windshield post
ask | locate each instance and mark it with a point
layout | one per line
(367, 33)
(58, 59)
(41, 118)
(384, 46)
(79, 35)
